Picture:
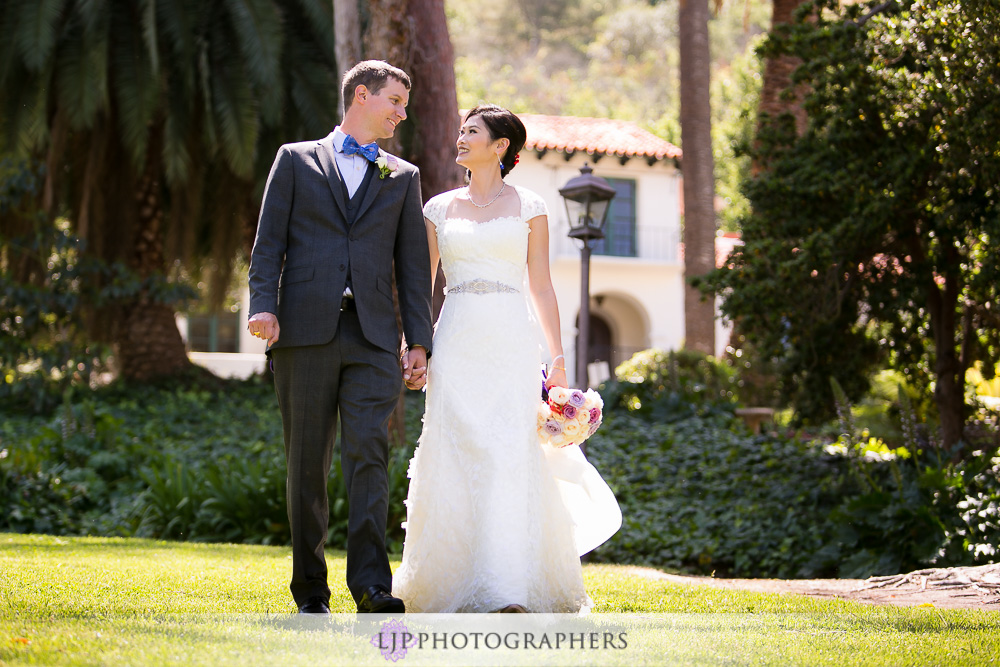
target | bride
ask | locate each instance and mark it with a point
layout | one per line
(494, 521)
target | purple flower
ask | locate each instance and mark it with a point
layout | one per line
(577, 399)
(552, 427)
(595, 415)
(569, 412)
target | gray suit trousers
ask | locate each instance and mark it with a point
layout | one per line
(365, 382)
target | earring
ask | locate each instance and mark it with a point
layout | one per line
(500, 160)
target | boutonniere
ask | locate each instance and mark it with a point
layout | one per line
(386, 164)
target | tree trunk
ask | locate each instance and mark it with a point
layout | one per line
(949, 366)
(434, 105)
(778, 75)
(434, 102)
(146, 336)
(698, 170)
(346, 38)
(388, 37)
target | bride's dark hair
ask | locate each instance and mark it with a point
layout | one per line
(502, 124)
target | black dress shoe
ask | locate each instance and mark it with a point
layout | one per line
(376, 600)
(315, 605)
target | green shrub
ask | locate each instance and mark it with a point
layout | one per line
(202, 459)
(192, 459)
(698, 491)
(667, 386)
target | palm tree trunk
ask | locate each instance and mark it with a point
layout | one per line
(146, 336)
(698, 169)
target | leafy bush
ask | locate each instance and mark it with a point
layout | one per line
(700, 492)
(665, 386)
(191, 461)
(203, 460)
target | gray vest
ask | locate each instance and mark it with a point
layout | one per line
(353, 204)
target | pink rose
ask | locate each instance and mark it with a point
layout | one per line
(569, 412)
(577, 399)
(552, 427)
(595, 415)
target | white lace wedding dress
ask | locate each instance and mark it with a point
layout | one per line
(493, 518)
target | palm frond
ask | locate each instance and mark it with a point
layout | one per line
(8, 46)
(234, 107)
(82, 71)
(318, 22)
(147, 9)
(258, 31)
(38, 30)
(176, 21)
(176, 136)
(313, 99)
(136, 89)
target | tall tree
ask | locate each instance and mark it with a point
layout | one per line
(413, 35)
(157, 120)
(434, 106)
(699, 178)
(870, 237)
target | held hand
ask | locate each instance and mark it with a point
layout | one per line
(264, 325)
(415, 368)
(557, 378)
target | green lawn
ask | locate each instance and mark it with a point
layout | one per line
(91, 601)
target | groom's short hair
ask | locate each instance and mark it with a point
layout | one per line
(373, 75)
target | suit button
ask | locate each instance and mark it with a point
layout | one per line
(342, 267)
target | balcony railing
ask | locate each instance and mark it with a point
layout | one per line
(653, 243)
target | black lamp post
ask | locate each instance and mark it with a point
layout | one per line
(587, 198)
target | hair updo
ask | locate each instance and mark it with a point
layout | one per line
(502, 124)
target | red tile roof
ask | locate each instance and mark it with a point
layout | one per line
(619, 138)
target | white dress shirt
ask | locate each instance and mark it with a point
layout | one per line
(352, 167)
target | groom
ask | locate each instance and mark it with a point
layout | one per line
(338, 214)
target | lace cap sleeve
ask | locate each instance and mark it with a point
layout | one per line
(532, 205)
(436, 207)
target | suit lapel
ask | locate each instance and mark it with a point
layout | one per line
(325, 156)
(373, 189)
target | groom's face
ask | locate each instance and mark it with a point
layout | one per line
(386, 109)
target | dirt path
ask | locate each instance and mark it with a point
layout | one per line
(945, 588)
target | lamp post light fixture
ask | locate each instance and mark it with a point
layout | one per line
(587, 198)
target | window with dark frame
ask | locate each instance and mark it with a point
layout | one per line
(619, 232)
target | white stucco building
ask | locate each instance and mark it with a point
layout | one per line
(636, 275)
(637, 271)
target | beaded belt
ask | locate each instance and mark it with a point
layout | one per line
(481, 286)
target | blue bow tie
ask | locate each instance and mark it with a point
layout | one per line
(368, 151)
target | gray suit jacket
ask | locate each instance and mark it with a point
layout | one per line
(298, 269)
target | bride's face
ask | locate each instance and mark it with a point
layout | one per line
(475, 145)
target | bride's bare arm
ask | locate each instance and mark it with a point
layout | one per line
(432, 246)
(543, 295)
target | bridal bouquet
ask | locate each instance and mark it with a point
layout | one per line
(568, 416)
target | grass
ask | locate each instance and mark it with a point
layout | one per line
(96, 601)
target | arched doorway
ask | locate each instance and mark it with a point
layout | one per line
(619, 327)
(599, 344)
(600, 347)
